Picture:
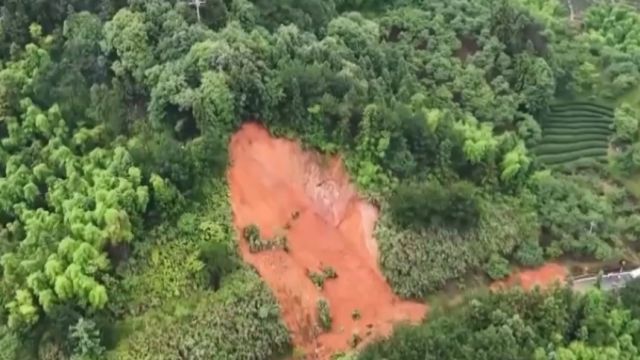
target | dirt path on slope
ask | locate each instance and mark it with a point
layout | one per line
(282, 189)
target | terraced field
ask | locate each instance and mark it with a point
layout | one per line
(575, 131)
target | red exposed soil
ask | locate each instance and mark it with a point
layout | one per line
(282, 189)
(543, 276)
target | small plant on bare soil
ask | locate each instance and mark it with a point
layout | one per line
(355, 340)
(355, 315)
(317, 279)
(329, 272)
(251, 233)
(324, 314)
(281, 242)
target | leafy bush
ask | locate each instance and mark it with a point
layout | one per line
(251, 234)
(317, 279)
(281, 242)
(626, 123)
(324, 314)
(116, 119)
(575, 217)
(497, 267)
(9, 344)
(170, 267)
(420, 206)
(218, 261)
(239, 321)
(529, 253)
(329, 272)
(418, 263)
(515, 325)
(86, 340)
(629, 296)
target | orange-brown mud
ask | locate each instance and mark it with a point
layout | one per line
(544, 276)
(282, 189)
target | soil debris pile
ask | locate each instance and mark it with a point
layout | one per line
(329, 251)
(544, 276)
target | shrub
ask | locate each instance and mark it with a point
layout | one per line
(329, 272)
(417, 263)
(9, 344)
(629, 296)
(420, 206)
(218, 262)
(251, 233)
(324, 314)
(240, 321)
(497, 267)
(512, 325)
(86, 340)
(281, 242)
(626, 123)
(530, 253)
(317, 279)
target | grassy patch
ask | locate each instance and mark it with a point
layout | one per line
(240, 321)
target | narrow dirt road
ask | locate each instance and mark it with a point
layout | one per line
(307, 197)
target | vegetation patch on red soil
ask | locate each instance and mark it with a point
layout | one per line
(543, 277)
(307, 197)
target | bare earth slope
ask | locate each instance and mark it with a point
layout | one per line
(282, 189)
(543, 277)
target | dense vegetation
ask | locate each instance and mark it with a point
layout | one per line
(575, 131)
(115, 232)
(515, 325)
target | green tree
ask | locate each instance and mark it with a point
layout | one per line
(626, 123)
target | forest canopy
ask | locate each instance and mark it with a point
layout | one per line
(490, 133)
